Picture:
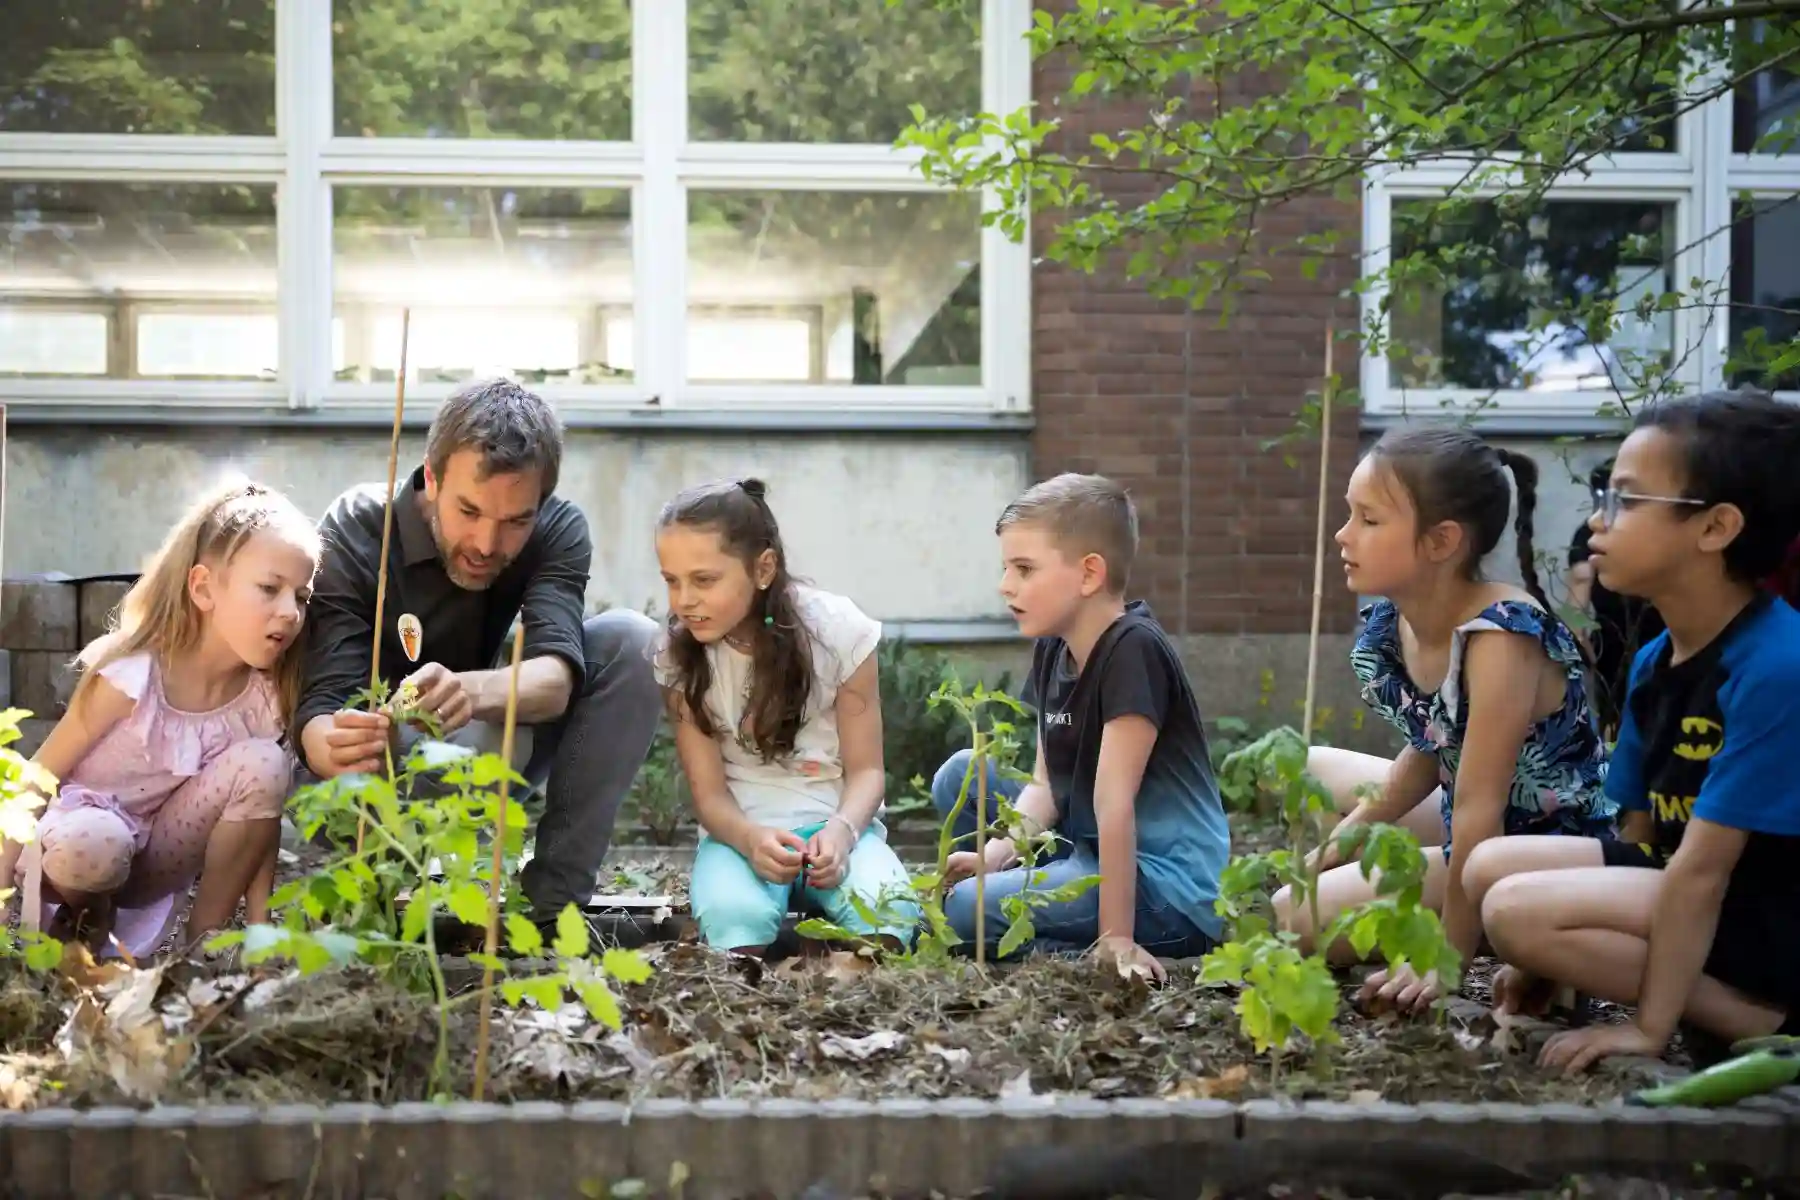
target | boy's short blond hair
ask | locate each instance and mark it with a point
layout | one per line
(1083, 514)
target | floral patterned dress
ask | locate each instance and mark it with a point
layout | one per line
(1559, 783)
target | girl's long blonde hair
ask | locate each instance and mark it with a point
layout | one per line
(158, 615)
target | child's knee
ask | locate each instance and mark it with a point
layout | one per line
(947, 784)
(1507, 911)
(741, 922)
(260, 773)
(1283, 904)
(1487, 865)
(87, 850)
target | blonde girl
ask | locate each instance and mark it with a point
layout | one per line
(171, 757)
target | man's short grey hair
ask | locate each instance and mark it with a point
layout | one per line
(513, 429)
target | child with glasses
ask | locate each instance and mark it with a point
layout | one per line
(1621, 624)
(1486, 683)
(1691, 916)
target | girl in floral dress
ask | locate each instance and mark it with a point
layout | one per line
(1486, 684)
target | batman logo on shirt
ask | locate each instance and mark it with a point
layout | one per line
(1702, 738)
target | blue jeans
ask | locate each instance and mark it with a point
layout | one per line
(1068, 927)
(946, 786)
(737, 909)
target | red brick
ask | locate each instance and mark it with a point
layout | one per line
(1178, 407)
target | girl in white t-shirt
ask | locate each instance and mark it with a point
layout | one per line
(772, 691)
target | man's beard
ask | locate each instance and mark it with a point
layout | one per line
(447, 555)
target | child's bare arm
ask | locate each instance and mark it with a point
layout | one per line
(1125, 745)
(859, 742)
(704, 765)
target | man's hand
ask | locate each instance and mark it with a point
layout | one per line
(964, 865)
(1405, 990)
(828, 855)
(345, 742)
(775, 854)
(1575, 1050)
(1129, 958)
(442, 694)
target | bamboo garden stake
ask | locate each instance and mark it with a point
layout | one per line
(1327, 394)
(387, 526)
(980, 848)
(492, 943)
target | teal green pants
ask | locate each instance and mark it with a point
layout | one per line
(737, 909)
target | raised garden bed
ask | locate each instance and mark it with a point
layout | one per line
(738, 1079)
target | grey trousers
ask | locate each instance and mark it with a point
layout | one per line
(584, 762)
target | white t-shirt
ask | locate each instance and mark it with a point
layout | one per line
(803, 788)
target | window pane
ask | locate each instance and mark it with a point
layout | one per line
(1766, 110)
(557, 71)
(1497, 302)
(887, 285)
(124, 66)
(507, 281)
(185, 273)
(827, 70)
(1765, 292)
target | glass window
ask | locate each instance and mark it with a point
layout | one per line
(113, 66)
(1765, 292)
(500, 280)
(1487, 300)
(887, 284)
(1766, 108)
(552, 71)
(827, 70)
(181, 272)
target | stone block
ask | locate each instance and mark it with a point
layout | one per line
(39, 613)
(98, 602)
(411, 1163)
(847, 1130)
(101, 1152)
(42, 681)
(32, 732)
(664, 1135)
(600, 1152)
(39, 1145)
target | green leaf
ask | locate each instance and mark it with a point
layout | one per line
(1022, 930)
(43, 953)
(525, 939)
(571, 933)
(601, 1004)
(626, 966)
(469, 903)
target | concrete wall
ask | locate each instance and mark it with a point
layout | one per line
(903, 524)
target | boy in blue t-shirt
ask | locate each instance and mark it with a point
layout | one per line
(1692, 917)
(1122, 771)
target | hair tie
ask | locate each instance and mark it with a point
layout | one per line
(753, 488)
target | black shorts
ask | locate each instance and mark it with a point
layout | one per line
(1755, 950)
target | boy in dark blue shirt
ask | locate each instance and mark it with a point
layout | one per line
(1122, 772)
(1692, 919)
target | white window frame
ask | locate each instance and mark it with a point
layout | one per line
(306, 159)
(1701, 177)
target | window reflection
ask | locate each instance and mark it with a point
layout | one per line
(108, 66)
(1765, 292)
(500, 280)
(888, 285)
(1499, 303)
(138, 281)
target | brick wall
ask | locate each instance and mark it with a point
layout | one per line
(1177, 408)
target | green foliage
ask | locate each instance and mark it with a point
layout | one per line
(1284, 990)
(422, 857)
(919, 733)
(23, 787)
(989, 718)
(1519, 95)
(659, 799)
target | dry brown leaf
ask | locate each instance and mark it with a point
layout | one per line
(861, 1049)
(79, 968)
(1018, 1087)
(1228, 1084)
(1365, 1096)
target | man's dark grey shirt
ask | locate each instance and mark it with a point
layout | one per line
(463, 629)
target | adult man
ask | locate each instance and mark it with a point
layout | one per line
(479, 539)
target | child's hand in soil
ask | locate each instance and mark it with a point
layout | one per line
(776, 854)
(1575, 1050)
(1519, 993)
(1405, 990)
(1129, 958)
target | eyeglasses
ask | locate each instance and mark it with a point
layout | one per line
(1609, 502)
